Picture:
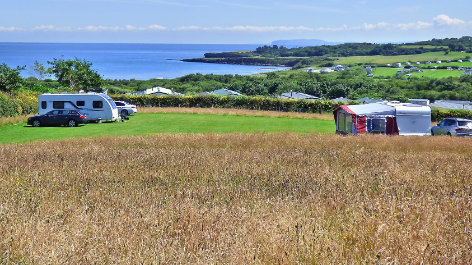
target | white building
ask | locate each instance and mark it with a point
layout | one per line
(156, 91)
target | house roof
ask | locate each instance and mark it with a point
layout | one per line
(452, 104)
(297, 95)
(341, 99)
(372, 109)
(226, 92)
(155, 91)
(367, 100)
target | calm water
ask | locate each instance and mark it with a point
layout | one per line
(127, 61)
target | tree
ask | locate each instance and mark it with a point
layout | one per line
(76, 74)
(39, 71)
(10, 78)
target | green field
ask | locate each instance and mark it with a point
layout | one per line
(433, 73)
(151, 123)
(422, 46)
(379, 59)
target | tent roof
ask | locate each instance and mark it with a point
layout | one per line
(372, 109)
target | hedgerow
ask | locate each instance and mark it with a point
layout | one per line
(239, 102)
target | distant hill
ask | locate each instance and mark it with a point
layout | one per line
(302, 43)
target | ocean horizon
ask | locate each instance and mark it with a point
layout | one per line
(141, 61)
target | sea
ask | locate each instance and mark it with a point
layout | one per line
(129, 61)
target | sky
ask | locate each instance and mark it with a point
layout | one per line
(232, 22)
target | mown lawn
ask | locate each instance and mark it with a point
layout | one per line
(379, 59)
(152, 123)
(433, 73)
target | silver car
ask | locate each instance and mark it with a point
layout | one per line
(453, 127)
(125, 108)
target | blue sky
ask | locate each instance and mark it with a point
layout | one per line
(232, 22)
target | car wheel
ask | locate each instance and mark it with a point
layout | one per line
(449, 134)
(72, 123)
(124, 112)
(36, 123)
(432, 133)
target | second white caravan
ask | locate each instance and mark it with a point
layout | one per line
(97, 106)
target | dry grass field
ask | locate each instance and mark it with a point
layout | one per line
(237, 198)
(241, 112)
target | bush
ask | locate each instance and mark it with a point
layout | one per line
(239, 102)
(12, 105)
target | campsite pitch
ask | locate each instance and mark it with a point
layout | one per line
(152, 123)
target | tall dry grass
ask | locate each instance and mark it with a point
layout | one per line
(7, 121)
(237, 198)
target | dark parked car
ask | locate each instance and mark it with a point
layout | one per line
(66, 117)
(453, 127)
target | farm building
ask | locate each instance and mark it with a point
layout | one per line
(383, 118)
(157, 91)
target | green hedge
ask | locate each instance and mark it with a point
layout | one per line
(439, 114)
(15, 104)
(21, 103)
(239, 102)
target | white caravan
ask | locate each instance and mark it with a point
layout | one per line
(97, 106)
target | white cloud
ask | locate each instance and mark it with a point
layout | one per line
(437, 23)
(100, 28)
(344, 27)
(157, 27)
(446, 20)
(418, 25)
(190, 28)
(51, 28)
(247, 28)
(11, 29)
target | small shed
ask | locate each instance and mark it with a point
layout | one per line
(391, 118)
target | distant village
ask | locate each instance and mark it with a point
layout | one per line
(407, 67)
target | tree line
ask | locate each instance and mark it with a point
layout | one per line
(70, 75)
(366, 49)
(352, 84)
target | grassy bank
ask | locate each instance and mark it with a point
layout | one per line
(237, 198)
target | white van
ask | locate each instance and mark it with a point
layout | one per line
(97, 106)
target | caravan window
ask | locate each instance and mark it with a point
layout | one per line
(44, 104)
(98, 104)
(377, 125)
(58, 104)
(80, 103)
